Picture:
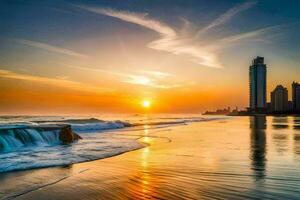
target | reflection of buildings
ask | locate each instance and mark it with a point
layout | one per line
(296, 124)
(279, 99)
(280, 122)
(296, 135)
(258, 85)
(297, 143)
(258, 122)
(280, 138)
(258, 145)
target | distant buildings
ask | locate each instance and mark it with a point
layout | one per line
(224, 111)
(296, 96)
(258, 104)
(258, 85)
(279, 99)
(279, 96)
(280, 103)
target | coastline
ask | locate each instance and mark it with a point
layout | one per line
(49, 169)
(199, 160)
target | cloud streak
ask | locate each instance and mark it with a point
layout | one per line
(255, 35)
(222, 19)
(154, 79)
(193, 46)
(147, 81)
(169, 40)
(51, 48)
(156, 73)
(73, 85)
(252, 34)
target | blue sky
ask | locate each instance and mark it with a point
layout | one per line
(151, 47)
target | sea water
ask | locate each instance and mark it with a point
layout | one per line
(22, 147)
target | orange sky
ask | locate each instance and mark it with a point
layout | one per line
(92, 59)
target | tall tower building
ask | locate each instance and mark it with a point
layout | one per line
(296, 96)
(258, 85)
(279, 99)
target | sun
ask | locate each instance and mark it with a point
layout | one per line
(146, 103)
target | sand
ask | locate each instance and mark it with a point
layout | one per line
(232, 158)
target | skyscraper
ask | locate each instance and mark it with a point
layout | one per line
(296, 96)
(279, 99)
(258, 85)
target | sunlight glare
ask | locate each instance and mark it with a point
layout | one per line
(146, 104)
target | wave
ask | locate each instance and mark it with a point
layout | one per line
(94, 124)
(93, 148)
(36, 144)
(16, 138)
(19, 135)
(98, 125)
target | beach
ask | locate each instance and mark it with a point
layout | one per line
(227, 158)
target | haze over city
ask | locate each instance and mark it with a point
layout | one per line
(113, 56)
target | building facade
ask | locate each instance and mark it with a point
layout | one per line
(258, 85)
(296, 96)
(279, 99)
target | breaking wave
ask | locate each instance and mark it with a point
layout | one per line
(13, 139)
(27, 145)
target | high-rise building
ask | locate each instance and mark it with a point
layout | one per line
(296, 96)
(279, 99)
(258, 85)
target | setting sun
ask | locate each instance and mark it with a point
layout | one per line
(146, 104)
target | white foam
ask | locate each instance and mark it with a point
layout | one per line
(99, 126)
(42, 149)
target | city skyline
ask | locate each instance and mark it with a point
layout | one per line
(258, 85)
(279, 101)
(279, 98)
(111, 56)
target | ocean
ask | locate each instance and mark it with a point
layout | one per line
(29, 148)
(159, 157)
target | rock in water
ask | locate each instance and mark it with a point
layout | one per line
(67, 136)
(76, 136)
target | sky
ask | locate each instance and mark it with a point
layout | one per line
(109, 56)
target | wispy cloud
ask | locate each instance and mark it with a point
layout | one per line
(137, 79)
(222, 19)
(51, 48)
(169, 40)
(190, 45)
(154, 79)
(261, 35)
(136, 18)
(57, 82)
(252, 34)
(148, 81)
(156, 73)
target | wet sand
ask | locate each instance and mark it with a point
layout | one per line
(236, 158)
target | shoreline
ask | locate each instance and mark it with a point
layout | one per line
(223, 159)
(49, 168)
(15, 173)
(31, 144)
(66, 165)
(142, 145)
